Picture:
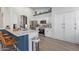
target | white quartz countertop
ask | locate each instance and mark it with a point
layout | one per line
(21, 32)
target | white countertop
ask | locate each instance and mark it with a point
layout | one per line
(21, 33)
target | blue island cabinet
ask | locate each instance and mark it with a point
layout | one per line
(22, 43)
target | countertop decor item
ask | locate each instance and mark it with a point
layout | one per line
(7, 27)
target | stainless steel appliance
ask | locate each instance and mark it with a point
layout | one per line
(42, 32)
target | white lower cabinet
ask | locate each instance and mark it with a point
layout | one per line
(32, 35)
(48, 32)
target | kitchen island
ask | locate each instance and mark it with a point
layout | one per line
(23, 37)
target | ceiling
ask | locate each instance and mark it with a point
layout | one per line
(34, 8)
(30, 10)
(23, 11)
(56, 9)
(40, 9)
(59, 10)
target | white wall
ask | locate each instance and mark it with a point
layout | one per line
(13, 15)
(46, 17)
(60, 10)
(1, 21)
(24, 11)
(6, 17)
(9, 16)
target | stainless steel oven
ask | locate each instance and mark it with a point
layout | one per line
(42, 32)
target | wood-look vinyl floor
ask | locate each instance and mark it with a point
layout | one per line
(50, 44)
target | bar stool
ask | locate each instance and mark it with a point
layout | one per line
(35, 44)
(1, 34)
(7, 40)
(0, 44)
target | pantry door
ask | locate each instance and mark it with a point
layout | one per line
(59, 27)
(77, 27)
(1, 19)
(70, 27)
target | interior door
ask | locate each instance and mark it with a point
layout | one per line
(77, 27)
(70, 27)
(24, 20)
(1, 19)
(59, 27)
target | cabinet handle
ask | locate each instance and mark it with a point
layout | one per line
(63, 27)
(63, 24)
(75, 24)
(75, 28)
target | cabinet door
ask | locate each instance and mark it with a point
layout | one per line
(59, 27)
(32, 36)
(70, 27)
(48, 32)
(77, 27)
(22, 43)
(1, 19)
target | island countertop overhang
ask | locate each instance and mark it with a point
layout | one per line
(20, 32)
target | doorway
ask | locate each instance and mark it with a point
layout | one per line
(24, 21)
